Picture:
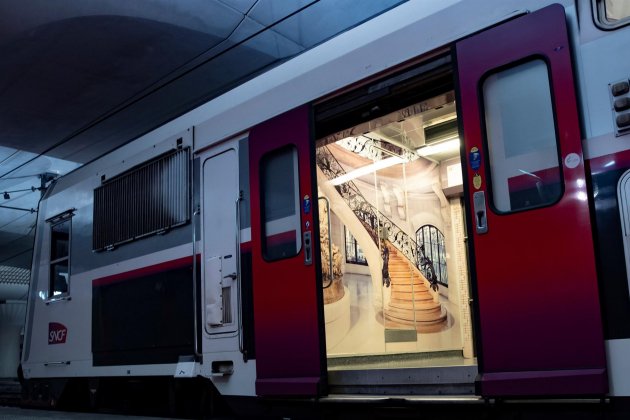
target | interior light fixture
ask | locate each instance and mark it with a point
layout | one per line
(442, 147)
(364, 170)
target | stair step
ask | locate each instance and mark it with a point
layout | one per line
(407, 276)
(404, 274)
(408, 288)
(399, 269)
(420, 307)
(392, 317)
(420, 326)
(420, 316)
(410, 305)
(407, 282)
(409, 298)
(419, 295)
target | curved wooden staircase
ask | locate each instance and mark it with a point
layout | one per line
(411, 303)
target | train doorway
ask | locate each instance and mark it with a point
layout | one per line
(384, 165)
(392, 234)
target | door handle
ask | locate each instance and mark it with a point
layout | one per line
(479, 205)
(308, 248)
(230, 276)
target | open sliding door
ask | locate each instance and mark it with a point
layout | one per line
(288, 319)
(538, 305)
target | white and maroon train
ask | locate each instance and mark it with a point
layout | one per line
(435, 201)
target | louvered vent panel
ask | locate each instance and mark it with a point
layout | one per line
(145, 200)
(227, 305)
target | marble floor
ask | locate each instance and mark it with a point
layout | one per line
(367, 335)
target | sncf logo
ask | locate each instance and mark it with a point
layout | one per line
(57, 333)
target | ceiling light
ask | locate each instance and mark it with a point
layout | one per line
(442, 147)
(364, 170)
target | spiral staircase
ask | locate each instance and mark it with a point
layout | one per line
(413, 302)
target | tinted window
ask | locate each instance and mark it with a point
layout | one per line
(280, 204)
(520, 130)
(59, 258)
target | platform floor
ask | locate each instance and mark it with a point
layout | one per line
(11, 413)
(395, 408)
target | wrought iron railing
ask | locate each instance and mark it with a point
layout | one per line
(373, 220)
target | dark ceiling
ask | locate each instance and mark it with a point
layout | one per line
(81, 77)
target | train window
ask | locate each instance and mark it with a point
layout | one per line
(432, 254)
(521, 138)
(611, 14)
(59, 257)
(280, 204)
(354, 253)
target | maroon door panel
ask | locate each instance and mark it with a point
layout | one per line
(290, 358)
(537, 296)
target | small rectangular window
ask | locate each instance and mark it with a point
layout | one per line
(60, 256)
(280, 204)
(611, 14)
(354, 253)
(521, 138)
(432, 254)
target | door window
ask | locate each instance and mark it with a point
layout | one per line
(280, 204)
(521, 136)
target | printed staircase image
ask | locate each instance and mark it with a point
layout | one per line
(411, 303)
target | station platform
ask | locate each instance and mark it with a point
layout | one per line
(16, 413)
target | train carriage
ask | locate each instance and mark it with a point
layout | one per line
(433, 202)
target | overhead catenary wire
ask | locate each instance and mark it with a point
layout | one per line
(30, 249)
(170, 77)
(13, 220)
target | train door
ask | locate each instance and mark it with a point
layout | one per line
(539, 317)
(220, 192)
(286, 290)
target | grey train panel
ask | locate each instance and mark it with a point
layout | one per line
(84, 259)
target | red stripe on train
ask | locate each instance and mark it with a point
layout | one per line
(611, 162)
(288, 237)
